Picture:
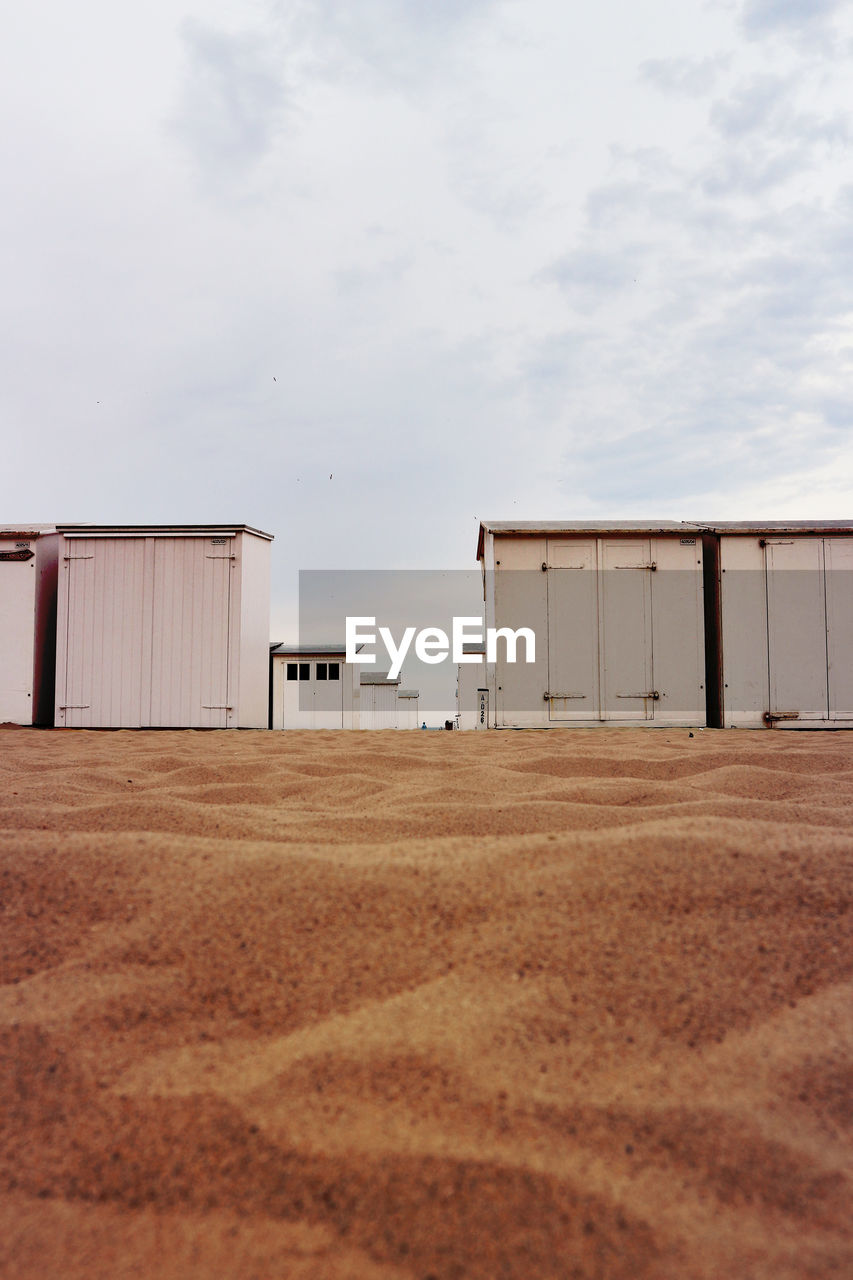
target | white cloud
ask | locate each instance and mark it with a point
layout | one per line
(688, 77)
(232, 101)
(768, 17)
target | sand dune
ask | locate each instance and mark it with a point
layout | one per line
(392, 1006)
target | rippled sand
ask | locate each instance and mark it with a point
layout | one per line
(426, 1006)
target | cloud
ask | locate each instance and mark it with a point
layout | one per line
(590, 275)
(767, 141)
(233, 99)
(798, 17)
(398, 45)
(361, 281)
(764, 104)
(754, 171)
(726, 363)
(685, 77)
(755, 105)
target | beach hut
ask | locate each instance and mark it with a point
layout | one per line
(377, 700)
(782, 648)
(312, 687)
(162, 626)
(472, 697)
(28, 558)
(606, 620)
(408, 701)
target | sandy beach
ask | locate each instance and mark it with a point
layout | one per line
(426, 1006)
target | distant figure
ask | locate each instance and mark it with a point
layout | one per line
(423, 726)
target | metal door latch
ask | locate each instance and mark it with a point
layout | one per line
(654, 695)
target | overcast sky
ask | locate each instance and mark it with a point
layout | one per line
(361, 272)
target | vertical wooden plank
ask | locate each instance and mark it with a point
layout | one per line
(521, 600)
(839, 616)
(796, 628)
(626, 631)
(678, 657)
(572, 585)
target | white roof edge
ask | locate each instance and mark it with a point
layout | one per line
(662, 526)
(26, 530)
(755, 528)
(306, 650)
(590, 526)
(142, 530)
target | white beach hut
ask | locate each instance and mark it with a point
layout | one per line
(163, 626)
(377, 701)
(27, 623)
(408, 702)
(783, 644)
(616, 611)
(472, 697)
(312, 687)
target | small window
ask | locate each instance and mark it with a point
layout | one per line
(321, 670)
(305, 671)
(292, 671)
(334, 671)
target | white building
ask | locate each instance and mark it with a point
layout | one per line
(28, 558)
(312, 687)
(734, 624)
(377, 700)
(472, 691)
(617, 615)
(162, 626)
(783, 644)
(408, 715)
